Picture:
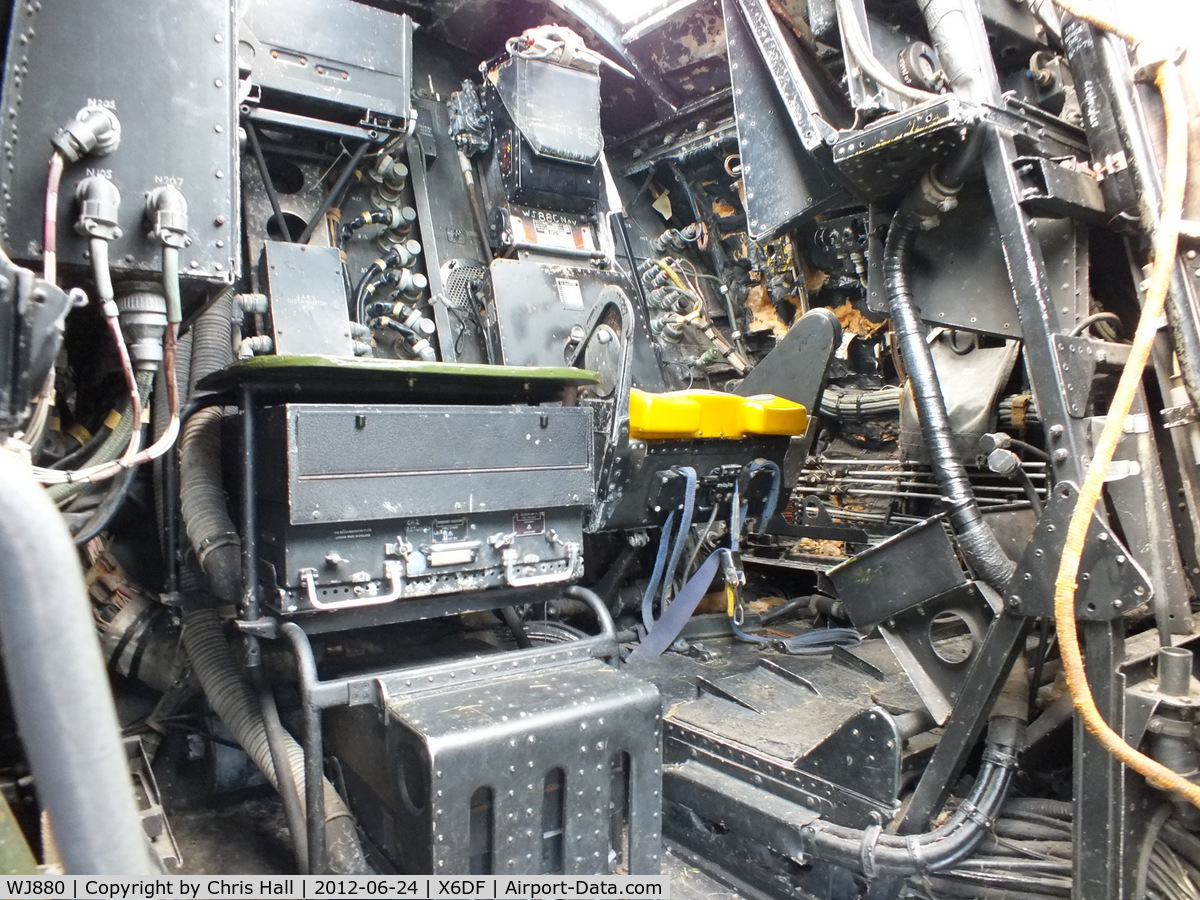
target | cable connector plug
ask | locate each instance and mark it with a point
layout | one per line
(168, 212)
(95, 131)
(99, 201)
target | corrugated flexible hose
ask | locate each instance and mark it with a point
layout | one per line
(975, 537)
(233, 699)
(202, 502)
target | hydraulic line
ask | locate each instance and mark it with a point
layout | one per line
(293, 805)
(1165, 241)
(872, 852)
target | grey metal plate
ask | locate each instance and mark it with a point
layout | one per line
(308, 299)
(167, 71)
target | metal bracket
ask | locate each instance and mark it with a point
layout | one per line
(262, 627)
(1056, 191)
(1079, 359)
(1077, 362)
(1178, 416)
(917, 564)
(936, 641)
(1111, 583)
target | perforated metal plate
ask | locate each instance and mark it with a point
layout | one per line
(458, 279)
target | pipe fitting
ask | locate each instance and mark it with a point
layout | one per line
(252, 304)
(252, 346)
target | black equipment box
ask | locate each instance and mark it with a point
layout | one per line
(333, 60)
(367, 504)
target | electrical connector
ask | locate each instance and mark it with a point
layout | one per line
(167, 210)
(99, 202)
(95, 132)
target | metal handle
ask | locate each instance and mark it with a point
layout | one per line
(519, 581)
(392, 572)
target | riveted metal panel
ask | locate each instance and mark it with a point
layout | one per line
(167, 71)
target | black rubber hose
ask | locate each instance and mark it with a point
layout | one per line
(1027, 486)
(233, 699)
(202, 502)
(293, 805)
(796, 604)
(603, 616)
(1055, 809)
(1028, 449)
(512, 619)
(1020, 829)
(956, 32)
(59, 688)
(975, 537)
(870, 852)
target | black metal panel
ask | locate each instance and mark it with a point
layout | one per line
(886, 158)
(1111, 582)
(917, 564)
(362, 463)
(330, 58)
(627, 490)
(374, 380)
(936, 641)
(448, 233)
(167, 71)
(783, 181)
(538, 301)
